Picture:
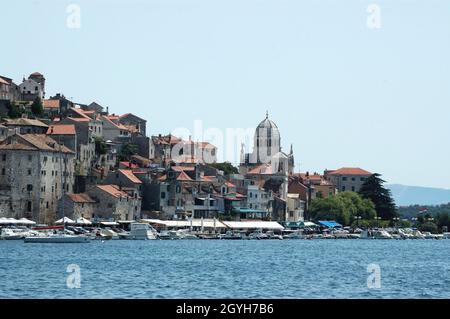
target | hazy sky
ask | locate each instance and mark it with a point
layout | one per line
(343, 93)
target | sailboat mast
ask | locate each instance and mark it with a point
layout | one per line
(62, 183)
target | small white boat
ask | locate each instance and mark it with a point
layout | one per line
(169, 235)
(297, 234)
(142, 231)
(57, 239)
(230, 235)
(258, 234)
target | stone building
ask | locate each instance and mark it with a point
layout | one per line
(347, 178)
(114, 203)
(34, 173)
(76, 206)
(134, 123)
(33, 87)
(64, 134)
(26, 126)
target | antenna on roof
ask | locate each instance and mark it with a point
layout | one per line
(267, 114)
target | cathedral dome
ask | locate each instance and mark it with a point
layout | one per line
(266, 123)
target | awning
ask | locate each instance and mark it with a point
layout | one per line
(5, 221)
(308, 224)
(249, 211)
(109, 223)
(126, 221)
(330, 224)
(83, 221)
(257, 224)
(65, 220)
(24, 221)
(207, 223)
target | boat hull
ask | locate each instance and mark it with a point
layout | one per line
(57, 240)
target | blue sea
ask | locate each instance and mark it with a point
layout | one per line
(226, 269)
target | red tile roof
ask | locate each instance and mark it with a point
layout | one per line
(61, 129)
(129, 174)
(183, 168)
(183, 177)
(51, 104)
(112, 190)
(128, 165)
(350, 171)
(261, 169)
(80, 198)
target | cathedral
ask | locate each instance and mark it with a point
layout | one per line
(267, 151)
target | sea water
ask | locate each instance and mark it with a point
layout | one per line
(227, 269)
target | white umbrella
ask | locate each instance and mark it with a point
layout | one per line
(83, 221)
(11, 220)
(4, 220)
(65, 220)
(25, 221)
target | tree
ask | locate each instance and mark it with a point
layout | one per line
(429, 227)
(100, 146)
(374, 190)
(226, 167)
(343, 208)
(13, 110)
(36, 108)
(127, 151)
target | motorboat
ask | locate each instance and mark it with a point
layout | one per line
(296, 234)
(16, 233)
(258, 234)
(272, 235)
(140, 231)
(169, 235)
(57, 238)
(230, 235)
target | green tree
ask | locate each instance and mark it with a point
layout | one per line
(226, 167)
(100, 146)
(36, 108)
(429, 227)
(13, 110)
(343, 208)
(127, 151)
(374, 190)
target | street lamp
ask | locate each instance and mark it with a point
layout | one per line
(395, 219)
(378, 218)
(358, 218)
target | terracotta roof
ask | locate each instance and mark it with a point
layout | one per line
(204, 145)
(80, 198)
(229, 184)
(261, 169)
(119, 126)
(51, 104)
(24, 122)
(79, 119)
(129, 174)
(128, 114)
(112, 190)
(33, 142)
(61, 129)
(350, 171)
(183, 177)
(80, 112)
(183, 168)
(128, 165)
(3, 81)
(167, 139)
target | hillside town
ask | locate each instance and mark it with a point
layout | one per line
(80, 160)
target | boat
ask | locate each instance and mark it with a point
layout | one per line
(258, 234)
(169, 235)
(230, 235)
(272, 235)
(57, 239)
(296, 234)
(141, 231)
(14, 233)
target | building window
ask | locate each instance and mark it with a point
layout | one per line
(362, 179)
(163, 195)
(3, 171)
(46, 204)
(29, 171)
(353, 179)
(29, 206)
(178, 189)
(291, 214)
(353, 188)
(251, 195)
(29, 187)
(343, 188)
(344, 178)
(4, 157)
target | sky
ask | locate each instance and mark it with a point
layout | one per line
(344, 92)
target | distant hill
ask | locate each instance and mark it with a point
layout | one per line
(416, 195)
